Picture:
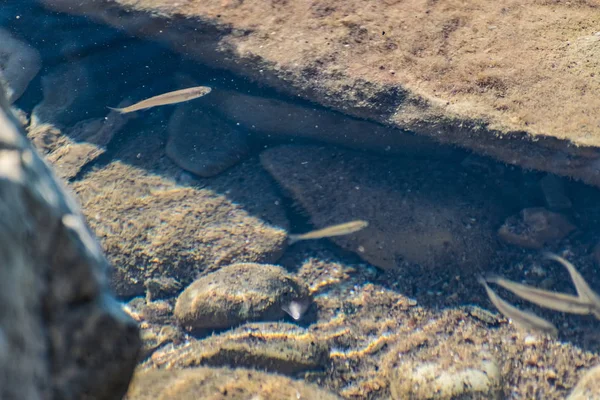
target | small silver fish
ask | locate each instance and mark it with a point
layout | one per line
(586, 302)
(524, 319)
(296, 309)
(177, 96)
(334, 230)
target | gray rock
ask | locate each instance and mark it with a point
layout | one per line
(19, 64)
(62, 334)
(238, 293)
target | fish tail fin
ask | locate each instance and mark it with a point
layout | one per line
(293, 239)
(119, 110)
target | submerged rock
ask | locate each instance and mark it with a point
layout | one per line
(533, 228)
(271, 118)
(80, 146)
(64, 88)
(555, 193)
(150, 227)
(425, 212)
(587, 388)
(471, 374)
(19, 64)
(202, 143)
(155, 336)
(276, 347)
(62, 333)
(238, 293)
(221, 383)
(160, 287)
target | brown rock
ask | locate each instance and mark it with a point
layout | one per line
(533, 228)
(160, 287)
(238, 293)
(276, 347)
(418, 211)
(82, 145)
(150, 227)
(221, 384)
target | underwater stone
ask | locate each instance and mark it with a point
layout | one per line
(155, 336)
(533, 228)
(447, 373)
(427, 212)
(238, 293)
(221, 383)
(587, 388)
(80, 146)
(152, 227)
(555, 192)
(156, 312)
(271, 119)
(202, 143)
(46, 138)
(62, 333)
(64, 87)
(160, 287)
(19, 64)
(276, 347)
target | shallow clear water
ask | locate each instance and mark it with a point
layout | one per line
(194, 205)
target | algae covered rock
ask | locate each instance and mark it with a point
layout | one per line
(277, 347)
(419, 211)
(151, 227)
(221, 384)
(238, 293)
